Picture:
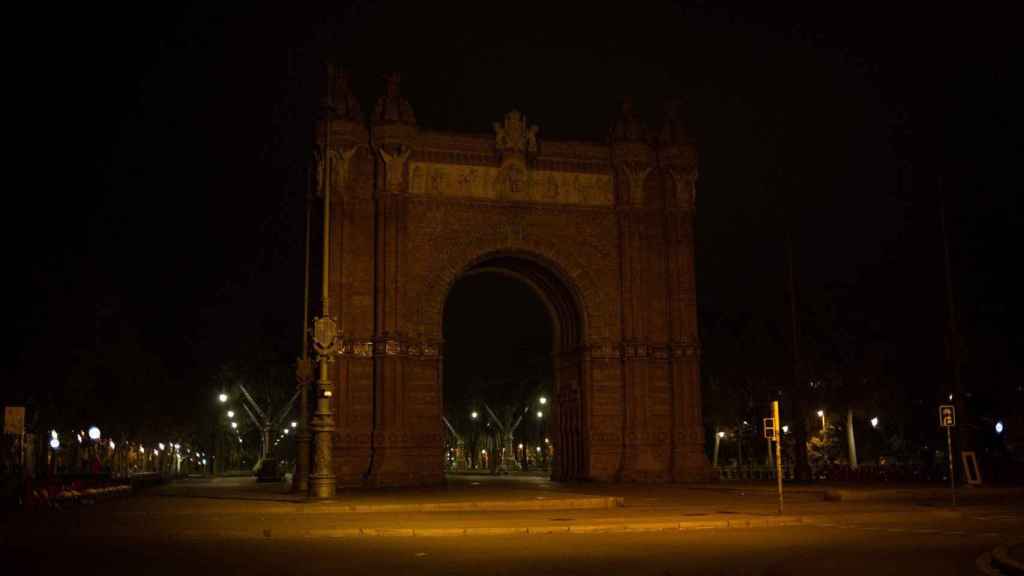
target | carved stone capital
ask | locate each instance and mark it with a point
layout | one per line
(636, 174)
(684, 188)
(340, 158)
(394, 167)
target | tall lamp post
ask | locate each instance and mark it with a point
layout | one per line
(325, 331)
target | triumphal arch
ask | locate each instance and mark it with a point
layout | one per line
(601, 231)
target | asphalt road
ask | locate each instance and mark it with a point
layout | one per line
(811, 550)
(159, 534)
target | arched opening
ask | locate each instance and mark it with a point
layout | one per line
(512, 331)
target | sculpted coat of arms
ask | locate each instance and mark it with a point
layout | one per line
(514, 135)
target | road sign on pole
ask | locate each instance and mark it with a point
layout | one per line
(947, 416)
(947, 420)
(778, 448)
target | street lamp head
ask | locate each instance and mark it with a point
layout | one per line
(999, 427)
(222, 397)
(161, 445)
(54, 443)
(234, 425)
(53, 433)
(295, 424)
(821, 413)
(540, 414)
(473, 414)
(721, 434)
(874, 422)
(785, 429)
(543, 400)
(231, 413)
(520, 446)
(94, 433)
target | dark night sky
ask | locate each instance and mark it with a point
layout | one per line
(159, 212)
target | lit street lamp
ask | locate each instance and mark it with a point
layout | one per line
(234, 425)
(473, 415)
(540, 414)
(94, 433)
(999, 427)
(222, 397)
(874, 422)
(543, 400)
(231, 413)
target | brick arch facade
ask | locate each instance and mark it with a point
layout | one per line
(413, 210)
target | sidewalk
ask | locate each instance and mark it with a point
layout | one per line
(510, 493)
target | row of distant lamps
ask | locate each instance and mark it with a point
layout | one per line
(540, 413)
(223, 398)
(874, 424)
(95, 434)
